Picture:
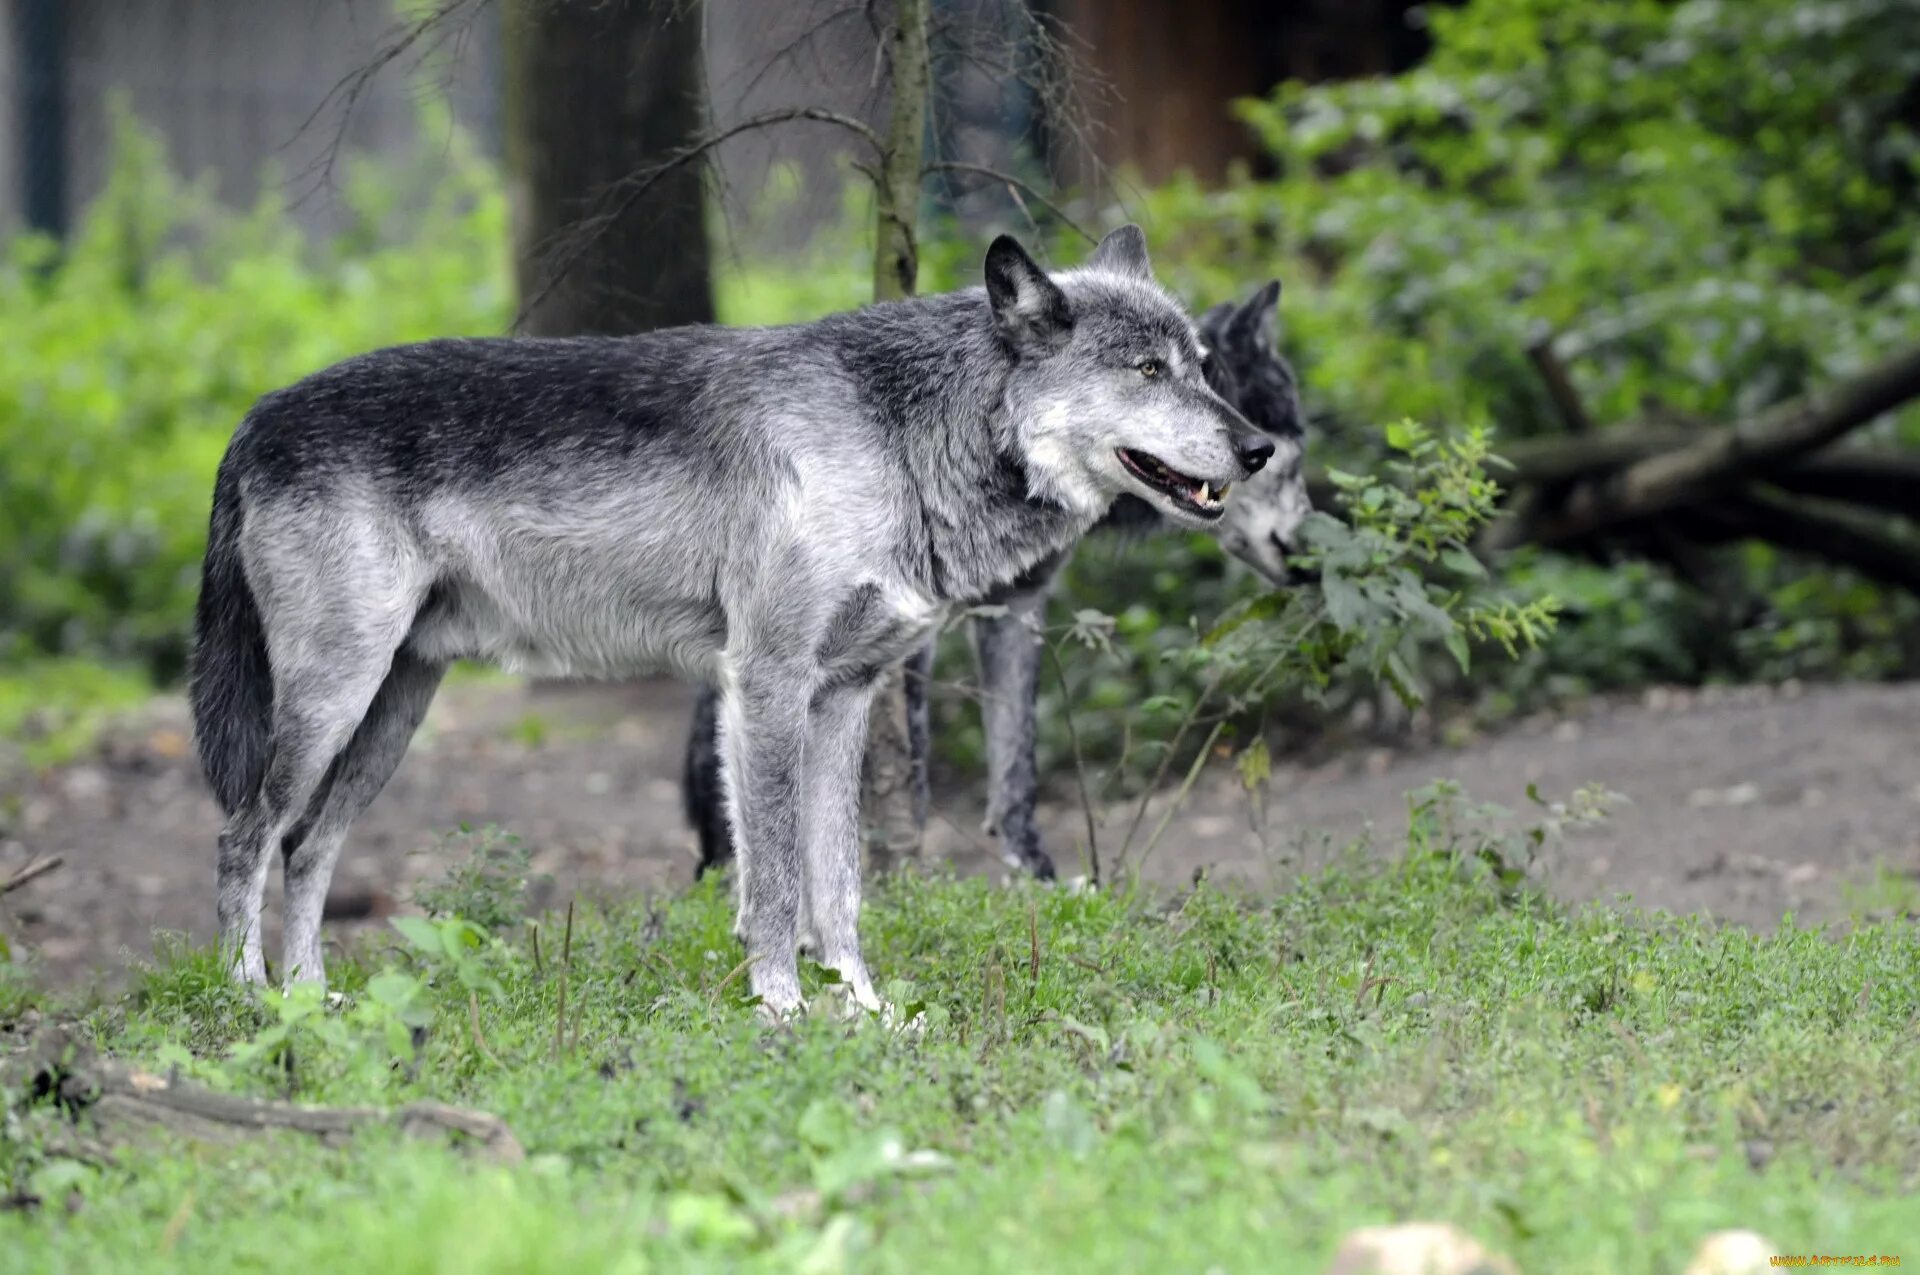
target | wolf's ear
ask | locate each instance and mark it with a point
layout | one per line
(1257, 320)
(1123, 252)
(1215, 325)
(1029, 310)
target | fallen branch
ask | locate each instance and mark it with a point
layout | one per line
(1883, 480)
(126, 1101)
(1822, 529)
(1724, 458)
(32, 872)
(1559, 383)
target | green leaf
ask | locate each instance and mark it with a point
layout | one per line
(1457, 647)
(1347, 607)
(420, 932)
(393, 989)
(1264, 607)
(1463, 562)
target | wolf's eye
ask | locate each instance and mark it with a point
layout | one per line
(1150, 368)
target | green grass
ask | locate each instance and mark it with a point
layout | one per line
(1109, 1083)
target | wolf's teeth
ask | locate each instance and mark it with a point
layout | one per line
(1222, 493)
(1205, 499)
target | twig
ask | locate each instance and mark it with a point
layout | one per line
(732, 974)
(1033, 940)
(634, 188)
(1166, 760)
(31, 872)
(1079, 764)
(1186, 786)
(1008, 179)
(566, 968)
(480, 1037)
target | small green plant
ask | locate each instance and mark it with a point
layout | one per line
(1482, 839)
(454, 945)
(365, 1042)
(1398, 581)
(487, 886)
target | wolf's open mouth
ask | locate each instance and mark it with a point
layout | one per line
(1191, 493)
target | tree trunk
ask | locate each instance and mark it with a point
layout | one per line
(596, 93)
(892, 827)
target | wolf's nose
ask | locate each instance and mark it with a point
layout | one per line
(1253, 450)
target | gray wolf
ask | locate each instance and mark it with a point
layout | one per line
(1246, 369)
(781, 512)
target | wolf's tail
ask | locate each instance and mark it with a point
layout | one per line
(232, 683)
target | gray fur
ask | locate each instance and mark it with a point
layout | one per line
(1245, 368)
(780, 512)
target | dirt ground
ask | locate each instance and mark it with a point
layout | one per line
(1744, 804)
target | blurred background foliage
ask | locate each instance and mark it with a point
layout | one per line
(1708, 207)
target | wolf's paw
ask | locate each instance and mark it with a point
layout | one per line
(781, 1016)
(849, 1006)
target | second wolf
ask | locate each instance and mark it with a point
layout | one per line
(1245, 368)
(783, 512)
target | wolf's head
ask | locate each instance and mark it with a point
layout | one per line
(1107, 395)
(1246, 369)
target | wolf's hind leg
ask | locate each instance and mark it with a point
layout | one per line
(918, 685)
(316, 708)
(830, 829)
(700, 785)
(358, 774)
(1009, 652)
(763, 729)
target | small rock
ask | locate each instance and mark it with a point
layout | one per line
(85, 784)
(1732, 1253)
(1802, 873)
(1416, 1248)
(1567, 732)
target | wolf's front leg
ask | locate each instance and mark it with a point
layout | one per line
(762, 744)
(830, 814)
(1009, 652)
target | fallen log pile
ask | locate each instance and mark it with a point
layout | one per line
(1662, 487)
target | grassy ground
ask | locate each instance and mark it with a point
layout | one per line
(1107, 1082)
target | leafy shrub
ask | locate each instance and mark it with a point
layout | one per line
(127, 358)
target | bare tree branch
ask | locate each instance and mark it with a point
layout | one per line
(422, 38)
(1008, 179)
(625, 194)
